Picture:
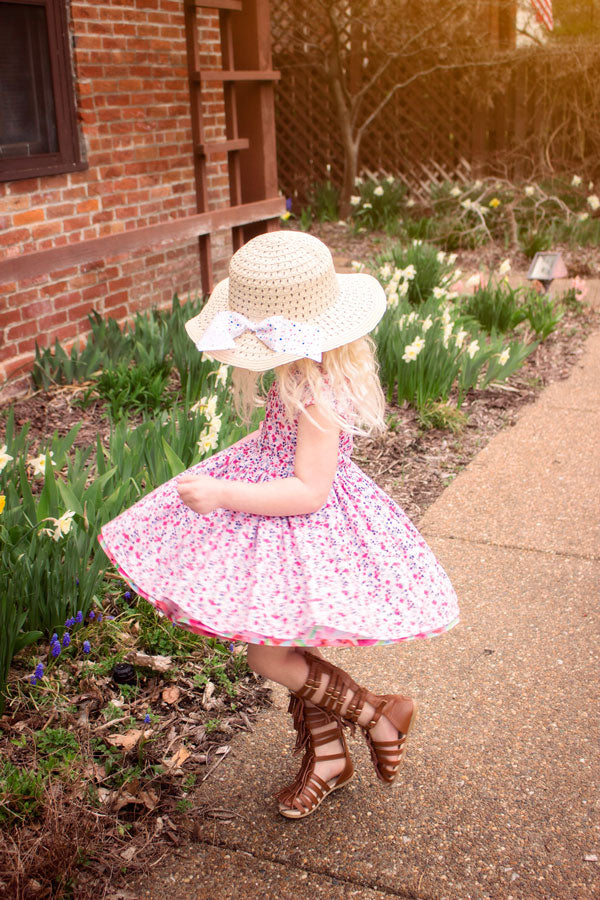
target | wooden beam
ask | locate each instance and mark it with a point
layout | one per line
(43, 262)
(231, 75)
(216, 4)
(209, 149)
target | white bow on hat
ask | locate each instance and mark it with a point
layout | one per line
(279, 334)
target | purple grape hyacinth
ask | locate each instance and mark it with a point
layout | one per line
(86, 647)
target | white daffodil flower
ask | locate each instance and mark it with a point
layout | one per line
(378, 192)
(410, 202)
(417, 242)
(408, 273)
(529, 190)
(385, 271)
(593, 202)
(576, 181)
(222, 373)
(412, 317)
(392, 300)
(459, 337)
(590, 185)
(354, 200)
(467, 204)
(5, 457)
(472, 349)
(504, 267)
(504, 356)
(419, 343)
(390, 179)
(452, 257)
(411, 351)
(440, 293)
(473, 281)
(440, 256)
(367, 205)
(403, 289)
(447, 334)
(38, 463)
(356, 265)
(357, 181)
(478, 184)
(208, 441)
(401, 321)
(455, 192)
(446, 320)
(64, 523)
(583, 217)
(427, 323)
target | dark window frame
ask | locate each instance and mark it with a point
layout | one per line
(68, 158)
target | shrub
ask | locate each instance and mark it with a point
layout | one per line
(376, 205)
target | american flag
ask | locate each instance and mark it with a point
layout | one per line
(543, 12)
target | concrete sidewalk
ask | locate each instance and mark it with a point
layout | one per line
(499, 794)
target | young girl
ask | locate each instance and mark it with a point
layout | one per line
(281, 541)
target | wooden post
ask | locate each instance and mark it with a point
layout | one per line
(251, 34)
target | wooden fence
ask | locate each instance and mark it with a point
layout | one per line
(532, 112)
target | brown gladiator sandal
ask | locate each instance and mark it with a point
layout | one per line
(308, 791)
(401, 711)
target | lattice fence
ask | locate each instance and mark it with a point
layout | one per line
(535, 112)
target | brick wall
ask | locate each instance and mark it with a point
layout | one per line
(130, 69)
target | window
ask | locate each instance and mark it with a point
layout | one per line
(38, 123)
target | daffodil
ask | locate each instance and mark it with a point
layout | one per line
(2, 502)
(455, 192)
(4, 457)
(403, 289)
(408, 273)
(390, 179)
(222, 374)
(494, 202)
(504, 267)
(378, 192)
(575, 180)
(410, 202)
(583, 216)
(385, 271)
(392, 299)
(64, 523)
(412, 317)
(419, 343)
(285, 216)
(459, 337)
(478, 184)
(452, 257)
(467, 204)
(593, 202)
(354, 200)
(356, 265)
(472, 349)
(38, 463)
(440, 293)
(446, 320)
(447, 334)
(440, 256)
(529, 190)
(410, 353)
(504, 356)
(427, 323)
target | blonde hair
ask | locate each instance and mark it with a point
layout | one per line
(345, 387)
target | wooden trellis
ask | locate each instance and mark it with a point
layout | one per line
(445, 126)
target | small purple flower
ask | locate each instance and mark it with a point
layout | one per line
(33, 680)
(147, 718)
(39, 670)
(77, 582)
(79, 617)
(86, 647)
(99, 617)
(54, 638)
(127, 595)
(288, 204)
(231, 648)
(70, 622)
(92, 615)
(66, 639)
(55, 648)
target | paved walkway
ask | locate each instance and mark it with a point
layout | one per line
(499, 794)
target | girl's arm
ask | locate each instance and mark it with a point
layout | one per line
(304, 492)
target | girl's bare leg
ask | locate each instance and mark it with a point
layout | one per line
(287, 666)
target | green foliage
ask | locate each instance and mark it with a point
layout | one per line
(495, 306)
(443, 416)
(416, 272)
(543, 314)
(324, 202)
(377, 203)
(21, 793)
(131, 389)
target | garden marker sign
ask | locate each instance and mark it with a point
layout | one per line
(545, 267)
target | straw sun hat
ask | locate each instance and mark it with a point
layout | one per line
(283, 301)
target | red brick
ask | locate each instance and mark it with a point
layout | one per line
(9, 317)
(29, 216)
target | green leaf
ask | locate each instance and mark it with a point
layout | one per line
(175, 464)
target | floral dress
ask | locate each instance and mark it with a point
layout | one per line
(355, 572)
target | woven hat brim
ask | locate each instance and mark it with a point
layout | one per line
(360, 305)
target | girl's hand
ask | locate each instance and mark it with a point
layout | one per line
(200, 492)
